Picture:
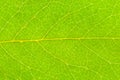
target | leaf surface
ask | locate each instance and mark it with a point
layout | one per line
(59, 40)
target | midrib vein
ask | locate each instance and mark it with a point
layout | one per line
(57, 39)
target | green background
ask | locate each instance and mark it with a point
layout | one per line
(59, 40)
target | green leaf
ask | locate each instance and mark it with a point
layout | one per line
(59, 40)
